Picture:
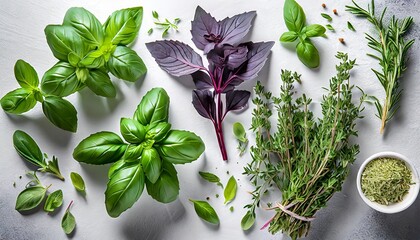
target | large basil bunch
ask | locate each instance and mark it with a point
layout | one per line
(87, 51)
(146, 158)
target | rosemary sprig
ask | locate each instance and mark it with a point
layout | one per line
(307, 160)
(392, 51)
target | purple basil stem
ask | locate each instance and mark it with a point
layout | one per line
(231, 62)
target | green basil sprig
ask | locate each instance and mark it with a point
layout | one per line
(147, 157)
(27, 148)
(295, 20)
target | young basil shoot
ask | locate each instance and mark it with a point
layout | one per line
(231, 62)
(205, 211)
(77, 182)
(295, 20)
(148, 157)
(32, 196)
(68, 222)
(240, 134)
(350, 26)
(165, 26)
(29, 150)
(230, 190)
(54, 201)
(210, 177)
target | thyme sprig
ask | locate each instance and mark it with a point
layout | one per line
(392, 51)
(304, 158)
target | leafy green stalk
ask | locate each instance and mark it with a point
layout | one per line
(392, 49)
(164, 25)
(307, 160)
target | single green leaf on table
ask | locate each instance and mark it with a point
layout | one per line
(18, 101)
(230, 190)
(239, 132)
(315, 30)
(330, 27)
(166, 188)
(231, 209)
(30, 198)
(210, 177)
(123, 25)
(26, 75)
(326, 16)
(308, 54)
(205, 211)
(100, 148)
(60, 112)
(54, 200)
(68, 222)
(350, 26)
(294, 17)
(77, 182)
(248, 221)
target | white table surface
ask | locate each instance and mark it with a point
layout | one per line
(21, 37)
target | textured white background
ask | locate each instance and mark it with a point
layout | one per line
(21, 37)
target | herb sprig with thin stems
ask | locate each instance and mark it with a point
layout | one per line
(164, 25)
(392, 51)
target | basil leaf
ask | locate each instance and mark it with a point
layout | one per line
(30, 198)
(308, 54)
(158, 131)
(18, 101)
(180, 147)
(124, 189)
(52, 167)
(326, 16)
(152, 164)
(85, 24)
(166, 188)
(54, 200)
(210, 177)
(294, 17)
(125, 64)
(27, 148)
(26, 75)
(61, 80)
(350, 26)
(132, 131)
(77, 182)
(64, 40)
(100, 148)
(115, 167)
(99, 82)
(230, 190)
(94, 59)
(153, 107)
(247, 221)
(123, 25)
(315, 30)
(68, 222)
(133, 153)
(60, 112)
(288, 36)
(205, 211)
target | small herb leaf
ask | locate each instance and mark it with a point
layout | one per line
(290, 36)
(27, 148)
(60, 112)
(330, 27)
(230, 190)
(54, 200)
(294, 17)
(26, 75)
(30, 198)
(315, 30)
(68, 222)
(350, 26)
(18, 101)
(247, 221)
(210, 177)
(205, 211)
(77, 181)
(326, 16)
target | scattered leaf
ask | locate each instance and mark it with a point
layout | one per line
(205, 211)
(230, 190)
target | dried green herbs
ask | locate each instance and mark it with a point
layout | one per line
(386, 180)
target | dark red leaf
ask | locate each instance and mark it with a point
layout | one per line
(176, 58)
(236, 100)
(257, 55)
(204, 103)
(202, 81)
(202, 25)
(234, 29)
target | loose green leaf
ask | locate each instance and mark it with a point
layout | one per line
(26, 75)
(150, 31)
(230, 190)
(308, 54)
(153, 107)
(288, 36)
(205, 211)
(123, 25)
(68, 222)
(350, 26)
(124, 188)
(330, 27)
(100, 148)
(294, 17)
(166, 188)
(247, 221)
(60, 112)
(315, 30)
(28, 149)
(54, 201)
(77, 182)
(30, 198)
(180, 147)
(210, 177)
(85, 24)
(52, 167)
(326, 16)
(99, 82)
(125, 64)
(132, 131)
(239, 132)
(61, 80)
(155, 14)
(18, 101)
(152, 164)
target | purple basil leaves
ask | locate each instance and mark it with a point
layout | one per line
(231, 62)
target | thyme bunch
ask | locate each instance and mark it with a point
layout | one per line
(392, 51)
(305, 158)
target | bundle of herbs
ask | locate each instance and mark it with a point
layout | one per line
(305, 158)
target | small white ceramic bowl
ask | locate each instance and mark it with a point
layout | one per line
(409, 198)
